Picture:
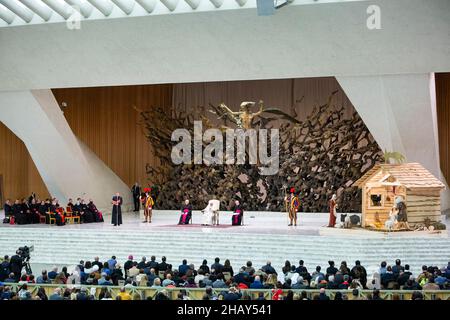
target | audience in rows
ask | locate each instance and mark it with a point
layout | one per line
(222, 278)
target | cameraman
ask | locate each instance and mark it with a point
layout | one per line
(16, 265)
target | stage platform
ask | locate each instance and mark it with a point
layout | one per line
(264, 235)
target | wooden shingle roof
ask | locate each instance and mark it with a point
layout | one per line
(411, 175)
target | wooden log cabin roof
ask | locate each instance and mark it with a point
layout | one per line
(410, 175)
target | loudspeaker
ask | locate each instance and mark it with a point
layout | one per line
(265, 7)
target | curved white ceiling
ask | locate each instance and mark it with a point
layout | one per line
(298, 41)
(25, 12)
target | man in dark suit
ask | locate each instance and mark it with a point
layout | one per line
(4, 269)
(217, 266)
(153, 264)
(183, 268)
(163, 265)
(128, 264)
(268, 269)
(404, 275)
(136, 191)
(16, 265)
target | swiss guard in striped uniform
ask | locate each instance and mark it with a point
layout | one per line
(148, 205)
(293, 204)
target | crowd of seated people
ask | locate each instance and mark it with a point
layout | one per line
(34, 210)
(229, 284)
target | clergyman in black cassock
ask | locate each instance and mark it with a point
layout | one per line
(136, 190)
(116, 218)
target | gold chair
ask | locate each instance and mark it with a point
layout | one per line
(51, 217)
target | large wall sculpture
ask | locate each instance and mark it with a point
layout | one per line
(319, 156)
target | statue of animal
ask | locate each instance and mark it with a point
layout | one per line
(394, 155)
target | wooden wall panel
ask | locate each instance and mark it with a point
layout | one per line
(20, 176)
(443, 115)
(104, 119)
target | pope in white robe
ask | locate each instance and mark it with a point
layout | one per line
(208, 213)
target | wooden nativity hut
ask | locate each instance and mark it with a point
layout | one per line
(411, 183)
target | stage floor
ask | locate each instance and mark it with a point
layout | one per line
(255, 222)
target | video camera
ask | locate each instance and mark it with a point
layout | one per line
(24, 252)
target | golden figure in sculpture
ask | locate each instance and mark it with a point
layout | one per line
(244, 118)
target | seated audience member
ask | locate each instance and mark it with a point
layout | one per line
(397, 268)
(216, 266)
(383, 268)
(26, 208)
(8, 208)
(430, 285)
(105, 280)
(204, 267)
(87, 216)
(18, 213)
(43, 278)
(42, 208)
(34, 208)
(317, 275)
(227, 267)
(143, 263)
(117, 274)
(70, 204)
(79, 209)
(96, 214)
(387, 277)
(183, 268)
(256, 284)
(162, 266)
(440, 280)
(359, 272)
(412, 284)
(404, 275)
(331, 270)
(56, 295)
(322, 295)
(343, 268)
(249, 269)
(5, 269)
(59, 213)
(152, 263)
(168, 281)
(11, 278)
(186, 213)
(268, 269)
(232, 294)
(52, 274)
(112, 262)
(219, 283)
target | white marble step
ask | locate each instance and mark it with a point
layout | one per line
(55, 247)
